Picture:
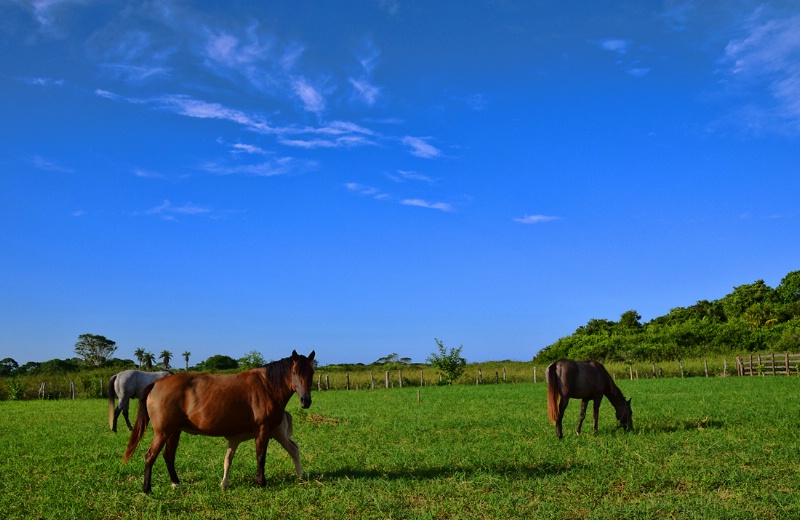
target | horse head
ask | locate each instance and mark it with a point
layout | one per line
(303, 377)
(625, 416)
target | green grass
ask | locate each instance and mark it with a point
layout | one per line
(702, 448)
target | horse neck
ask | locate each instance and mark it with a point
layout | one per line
(613, 393)
(278, 376)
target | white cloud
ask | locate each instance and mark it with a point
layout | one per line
(365, 91)
(272, 168)
(367, 191)
(767, 60)
(50, 166)
(312, 99)
(167, 211)
(615, 45)
(441, 206)
(403, 175)
(421, 148)
(536, 219)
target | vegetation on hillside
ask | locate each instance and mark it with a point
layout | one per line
(752, 318)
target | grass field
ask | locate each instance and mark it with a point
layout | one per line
(702, 448)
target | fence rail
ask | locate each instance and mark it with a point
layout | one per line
(784, 364)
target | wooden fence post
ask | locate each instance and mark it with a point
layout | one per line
(630, 369)
(724, 367)
(72, 389)
(705, 364)
(347, 374)
(327, 382)
(504, 372)
(787, 364)
(400, 377)
(386, 378)
(496, 377)
(773, 363)
(371, 380)
(680, 364)
(534, 373)
(319, 382)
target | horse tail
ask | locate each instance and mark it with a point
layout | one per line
(553, 395)
(111, 395)
(142, 418)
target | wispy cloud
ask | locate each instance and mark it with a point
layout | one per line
(766, 60)
(441, 206)
(403, 175)
(365, 91)
(421, 148)
(536, 219)
(271, 168)
(627, 60)
(367, 191)
(167, 211)
(312, 98)
(51, 166)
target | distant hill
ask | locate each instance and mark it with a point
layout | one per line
(754, 317)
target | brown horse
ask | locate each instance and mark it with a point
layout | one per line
(239, 407)
(590, 381)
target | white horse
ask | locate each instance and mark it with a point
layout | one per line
(282, 433)
(124, 385)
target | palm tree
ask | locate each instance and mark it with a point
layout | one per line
(186, 355)
(139, 353)
(148, 359)
(165, 356)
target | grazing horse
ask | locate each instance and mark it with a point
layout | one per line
(590, 381)
(127, 384)
(239, 407)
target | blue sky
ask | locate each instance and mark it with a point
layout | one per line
(361, 177)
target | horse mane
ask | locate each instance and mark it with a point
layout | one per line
(277, 370)
(613, 389)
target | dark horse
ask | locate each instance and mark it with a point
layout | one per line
(590, 381)
(247, 405)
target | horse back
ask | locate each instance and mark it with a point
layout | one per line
(213, 404)
(581, 380)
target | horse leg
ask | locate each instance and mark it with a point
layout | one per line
(562, 407)
(121, 406)
(171, 448)
(226, 466)
(597, 411)
(262, 440)
(125, 413)
(282, 434)
(150, 458)
(584, 402)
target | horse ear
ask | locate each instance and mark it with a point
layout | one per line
(311, 356)
(294, 354)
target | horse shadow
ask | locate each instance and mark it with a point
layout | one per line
(432, 473)
(686, 425)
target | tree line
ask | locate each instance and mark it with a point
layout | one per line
(752, 318)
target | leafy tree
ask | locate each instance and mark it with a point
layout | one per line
(789, 289)
(186, 355)
(744, 296)
(94, 349)
(8, 366)
(630, 320)
(165, 357)
(252, 359)
(219, 362)
(139, 353)
(449, 363)
(148, 359)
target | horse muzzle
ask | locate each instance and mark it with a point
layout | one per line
(305, 401)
